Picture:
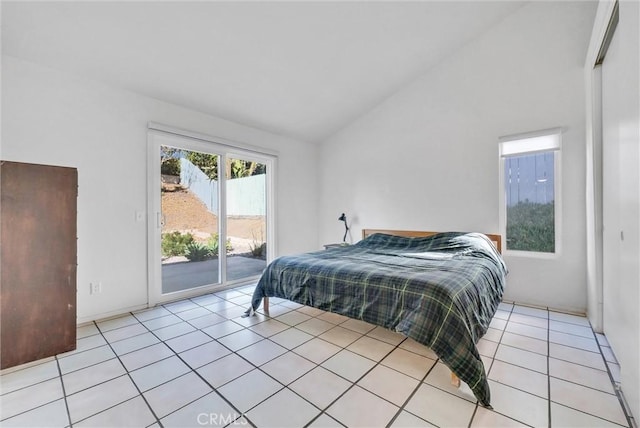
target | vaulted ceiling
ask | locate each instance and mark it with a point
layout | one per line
(300, 69)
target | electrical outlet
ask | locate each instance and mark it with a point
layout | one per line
(95, 287)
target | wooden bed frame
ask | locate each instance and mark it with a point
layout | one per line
(495, 239)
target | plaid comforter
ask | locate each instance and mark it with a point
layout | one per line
(441, 290)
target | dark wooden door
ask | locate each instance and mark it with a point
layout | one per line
(37, 261)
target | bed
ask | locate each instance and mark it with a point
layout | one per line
(440, 289)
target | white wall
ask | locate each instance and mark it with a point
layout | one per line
(55, 118)
(427, 158)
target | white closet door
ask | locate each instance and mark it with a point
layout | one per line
(621, 195)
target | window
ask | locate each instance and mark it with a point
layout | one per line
(529, 196)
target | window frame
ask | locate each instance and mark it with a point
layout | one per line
(508, 147)
(158, 135)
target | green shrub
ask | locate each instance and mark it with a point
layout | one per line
(175, 243)
(258, 249)
(170, 166)
(531, 227)
(197, 252)
(214, 243)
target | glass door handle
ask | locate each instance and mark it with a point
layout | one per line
(160, 220)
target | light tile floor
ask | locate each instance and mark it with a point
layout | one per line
(198, 363)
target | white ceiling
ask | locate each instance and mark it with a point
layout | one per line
(300, 69)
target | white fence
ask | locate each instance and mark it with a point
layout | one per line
(246, 196)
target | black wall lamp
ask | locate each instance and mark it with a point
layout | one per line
(343, 217)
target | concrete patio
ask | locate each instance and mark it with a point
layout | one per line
(184, 275)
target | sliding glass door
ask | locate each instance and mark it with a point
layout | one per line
(190, 236)
(246, 216)
(209, 222)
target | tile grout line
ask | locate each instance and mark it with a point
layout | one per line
(64, 392)
(343, 348)
(248, 327)
(353, 384)
(549, 376)
(414, 392)
(616, 388)
(316, 336)
(232, 352)
(513, 305)
(377, 364)
(59, 376)
(147, 365)
(129, 376)
(192, 370)
(29, 386)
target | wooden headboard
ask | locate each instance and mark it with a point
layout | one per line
(496, 239)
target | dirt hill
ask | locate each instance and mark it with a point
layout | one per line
(184, 212)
